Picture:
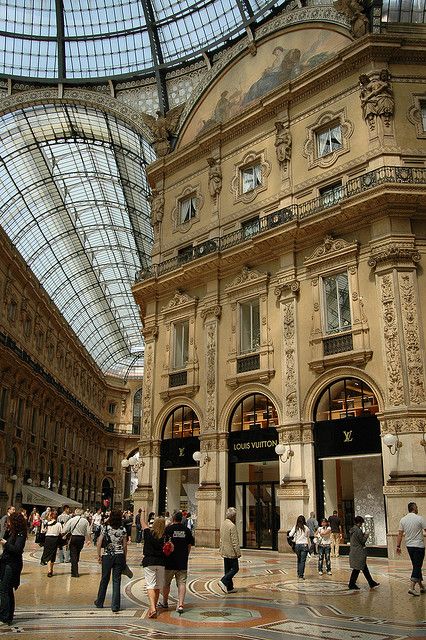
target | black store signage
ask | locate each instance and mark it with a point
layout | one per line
(253, 446)
(348, 437)
(178, 452)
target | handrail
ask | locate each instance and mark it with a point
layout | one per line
(294, 212)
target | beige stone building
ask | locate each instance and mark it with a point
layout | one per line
(286, 299)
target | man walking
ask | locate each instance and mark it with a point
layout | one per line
(336, 534)
(177, 562)
(414, 527)
(79, 528)
(229, 550)
(312, 524)
(3, 521)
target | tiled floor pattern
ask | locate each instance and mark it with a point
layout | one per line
(271, 604)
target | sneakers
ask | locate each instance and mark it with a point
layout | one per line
(232, 591)
(373, 585)
(413, 592)
(354, 587)
(320, 573)
(163, 605)
(223, 586)
(329, 573)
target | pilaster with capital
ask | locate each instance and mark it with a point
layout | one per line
(287, 293)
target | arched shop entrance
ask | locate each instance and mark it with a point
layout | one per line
(179, 475)
(254, 471)
(348, 460)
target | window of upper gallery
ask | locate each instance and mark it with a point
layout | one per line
(345, 398)
(423, 115)
(110, 460)
(254, 412)
(11, 310)
(251, 177)
(112, 408)
(337, 310)
(182, 422)
(249, 326)
(329, 139)
(180, 344)
(331, 193)
(4, 403)
(250, 227)
(187, 209)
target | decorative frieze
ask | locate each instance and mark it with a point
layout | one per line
(411, 336)
(395, 389)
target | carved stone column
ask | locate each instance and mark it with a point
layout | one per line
(209, 494)
(293, 494)
(394, 260)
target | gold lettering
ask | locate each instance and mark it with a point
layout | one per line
(348, 436)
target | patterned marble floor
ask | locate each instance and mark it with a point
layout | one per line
(270, 603)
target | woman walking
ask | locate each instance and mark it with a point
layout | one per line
(153, 561)
(113, 540)
(53, 530)
(300, 535)
(324, 547)
(358, 555)
(11, 565)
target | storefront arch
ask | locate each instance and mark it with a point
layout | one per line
(348, 448)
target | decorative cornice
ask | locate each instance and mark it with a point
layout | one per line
(394, 256)
(329, 250)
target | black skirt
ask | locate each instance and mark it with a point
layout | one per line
(49, 550)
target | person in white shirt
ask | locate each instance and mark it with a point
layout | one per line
(79, 528)
(300, 535)
(414, 527)
(324, 546)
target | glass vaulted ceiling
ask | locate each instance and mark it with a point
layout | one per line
(73, 200)
(82, 39)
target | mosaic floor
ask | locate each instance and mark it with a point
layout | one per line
(270, 603)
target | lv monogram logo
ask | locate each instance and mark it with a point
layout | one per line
(181, 452)
(348, 436)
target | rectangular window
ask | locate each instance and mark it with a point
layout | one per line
(329, 140)
(251, 178)
(187, 209)
(181, 344)
(110, 454)
(249, 326)
(250, 227)
(4, 401)
(20, 413)
(331, 194)
(112, 407)
(337, 307)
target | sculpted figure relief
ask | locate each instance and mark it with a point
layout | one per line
(354, 11)
(163, 127)
(377, 98)
(157, 207)
(283, 142)
(215, 177)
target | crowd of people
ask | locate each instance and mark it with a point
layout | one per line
(167, 542)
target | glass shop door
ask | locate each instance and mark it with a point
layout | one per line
(257, 514)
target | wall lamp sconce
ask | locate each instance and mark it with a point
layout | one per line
(13, 477)
(280, 450)
(197, 456)
(42, 483)
(392, 442)
(134, 462)
(29, 481)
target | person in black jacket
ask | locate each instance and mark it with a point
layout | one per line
(153, 560)
(11, 565)
(177, 562)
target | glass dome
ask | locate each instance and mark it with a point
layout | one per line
(89, 39)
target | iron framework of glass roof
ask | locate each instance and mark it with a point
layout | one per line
(74, 202)
(87, 39)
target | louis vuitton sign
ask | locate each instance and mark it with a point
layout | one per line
(347, 437)
(253, 446)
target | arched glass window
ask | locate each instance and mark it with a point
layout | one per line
(345, 398)
(137, 410)
(254, 412)
(182, 422)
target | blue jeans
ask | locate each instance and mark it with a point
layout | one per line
(114, 564)
(301, 552)
(417, 555)
(324, 552)
(231, 567)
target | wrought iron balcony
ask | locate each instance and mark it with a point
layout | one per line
(338, 343)
(358, 185)
(178, 379)
(248, 363)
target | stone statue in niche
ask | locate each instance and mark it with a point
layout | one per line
(354, 11)
(283, 142)
(157, 207)
(162, 128)
(215, 177)
(377, 99)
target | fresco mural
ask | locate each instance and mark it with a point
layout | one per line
(282, 59)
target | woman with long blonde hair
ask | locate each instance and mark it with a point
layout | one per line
(153, 560)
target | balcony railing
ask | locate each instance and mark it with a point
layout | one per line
(338, 344)
(248, 363)
(361, 184)
(178, 379)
